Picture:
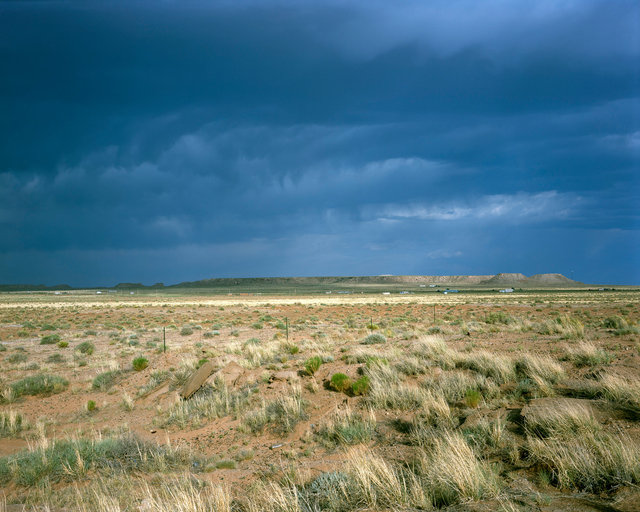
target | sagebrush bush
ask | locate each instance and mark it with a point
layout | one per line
(374, 339)
(105, 380)
(16, 358)
(71, 460)
(39, 385)
(281, 414)
(50, 339)
(347, 428)
(86, 347)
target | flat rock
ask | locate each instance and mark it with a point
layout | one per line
(231, 373)
(287, 375)
(196, 381)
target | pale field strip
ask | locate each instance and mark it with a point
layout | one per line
(488, 298)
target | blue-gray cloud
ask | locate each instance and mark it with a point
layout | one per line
(274, 137)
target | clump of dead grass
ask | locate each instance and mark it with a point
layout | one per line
(592, 461)
(587, 354)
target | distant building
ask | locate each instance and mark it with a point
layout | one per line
(507, 290)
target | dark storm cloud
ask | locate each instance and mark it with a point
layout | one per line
(264, 138)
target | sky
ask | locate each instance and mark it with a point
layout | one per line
(167, 141)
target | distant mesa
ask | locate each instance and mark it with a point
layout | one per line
(520, 280)
(502, 280)
(505, 278)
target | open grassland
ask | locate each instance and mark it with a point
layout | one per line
(470, 401)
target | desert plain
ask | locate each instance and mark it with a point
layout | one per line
(475, 400)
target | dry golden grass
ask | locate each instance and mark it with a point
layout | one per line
(590, 461)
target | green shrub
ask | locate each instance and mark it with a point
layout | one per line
(497, 317)
(361, 386)
(312, 365)
(63, 344)
(257, 325)
(374, 338)
(16, 358)
(2, 348)
(104, 381)
(201, 362)
(282, 414)
(140, 363)
(340, 382)
(615, 322)
(69, 460)
(91, 406)
(186, 331)
(472, 398)
(55, 358)
(50, 339)
(39, 385)
(348, 428)
(226, 464)
(86, 347)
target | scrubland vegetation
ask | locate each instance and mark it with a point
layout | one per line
(508, 403)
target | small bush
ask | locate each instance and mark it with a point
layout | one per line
(104, 381)
(50, 339)
(86, 347)
(472, 398)
(312, 365)
(207, 403)
(2, 348)
(39, 385)
(291, 348)
(257, 325)
(55, 358)
(498, 317)
(587, 354)
(340, 382)
(16, 358)
(186, 331)
(615, 322)
(63, 344)
(361, 386)
(347, 428)
(71, 460)
(91, 406)
(283, 414)
(11, 423)
(140, 363)
(374, 339)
